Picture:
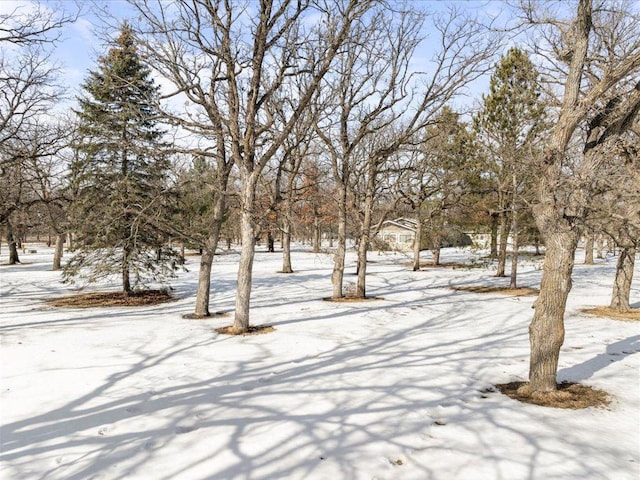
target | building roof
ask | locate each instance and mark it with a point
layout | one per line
(405, 223)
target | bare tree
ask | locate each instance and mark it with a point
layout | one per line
(246, 71)
(28, 90)
(27, 75)
(374, 90)
(615, 209)
(594, 54)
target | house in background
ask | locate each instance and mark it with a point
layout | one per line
(398, 234)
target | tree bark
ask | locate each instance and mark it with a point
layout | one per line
(416, 244)
(210, 246)
(588, 250)
(502, 254)
(337, 276)
(204, 283)
(624, 276)
(317, 238)
(546, 332)
(247, 253)
(126, 273)
(286, 238)
(494, 235)
(59, 251)
(514, 255)
(436, 252)
(286, 252)
(13, 246)
(599, 247)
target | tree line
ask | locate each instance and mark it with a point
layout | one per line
(283, 119)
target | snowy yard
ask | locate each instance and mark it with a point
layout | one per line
(387, 389)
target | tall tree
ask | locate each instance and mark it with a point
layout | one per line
(252, 54)
(373, 90)
(596, 54)
(119, 176)
(28, 87)
(438, 178)
(510, 126)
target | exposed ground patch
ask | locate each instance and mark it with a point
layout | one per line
(211, 316)
(453, 265)
(568, 395)
(253, 330)
(112, 299)
(630, 316)
(521, 291)
(351, 299)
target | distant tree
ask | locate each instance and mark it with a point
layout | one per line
(441, 179)
(28, 91)
(615, 209)
(510, 127)
(119, 175)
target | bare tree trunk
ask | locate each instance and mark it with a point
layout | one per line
(245, 267)
(126, 274)
(514, 255)
(337, 275)
(494, 235)
(204, 283)
(361, 286)
(599, 247)
(203, 291)
(436, 252)
(536, 241)
(588, 250)
(502, 255)
(59, 251)
(286, 239)
(416, 244)
(317, 238)
(624, 276)
(13, 246)
(546, 331)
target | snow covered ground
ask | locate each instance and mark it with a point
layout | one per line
(387, 389)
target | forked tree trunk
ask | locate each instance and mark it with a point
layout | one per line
(546, 331)
(59, 251)
(624, 276)
(337, 276)
(502, 254)
(416, 244)
(588, 250)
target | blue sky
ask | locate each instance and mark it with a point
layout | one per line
(83, 41)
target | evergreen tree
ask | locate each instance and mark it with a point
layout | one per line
(119, 175)
(510, 127)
